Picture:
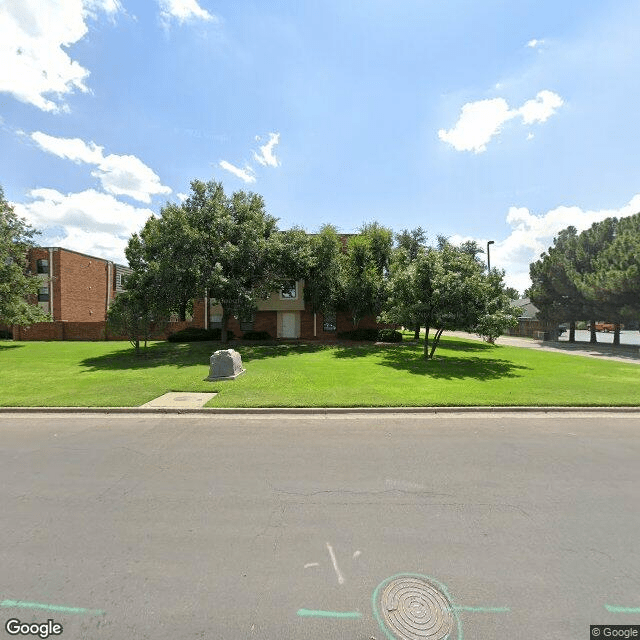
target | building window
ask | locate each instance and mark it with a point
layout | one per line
(289, 291)
(329, 321)
(42, 266)
(246, 322)
(120, 280)
(43, 294)
(215, 321)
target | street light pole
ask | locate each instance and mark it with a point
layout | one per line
(488, 257)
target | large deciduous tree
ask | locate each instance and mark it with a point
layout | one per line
(163, 252)
(408, 246)
(446, 288)
(16, 237)
(363, 269)
(227, 246)
(322, 281)
(134, 313)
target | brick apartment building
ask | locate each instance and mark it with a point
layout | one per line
(75, 287)
(284, 315)
(76, 290)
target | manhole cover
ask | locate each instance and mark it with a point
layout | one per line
(413, 608)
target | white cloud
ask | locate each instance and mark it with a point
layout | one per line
(480, 121)
(477, 124)
(34, 39)
(534, 44)
(129, 176)
(245, 174)
(182, 196)
(266, 157)
(542, 108)
(184, 11)
(119, 175)
(91, 222)
(73, 149)
(531, 235)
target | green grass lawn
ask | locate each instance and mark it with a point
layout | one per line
(464, 373)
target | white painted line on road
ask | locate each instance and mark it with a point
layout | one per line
(335, 564)
(311, 564)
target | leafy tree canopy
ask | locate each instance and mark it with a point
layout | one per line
(16, 286)
(227, 246)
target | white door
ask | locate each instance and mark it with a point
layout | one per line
(289, 324)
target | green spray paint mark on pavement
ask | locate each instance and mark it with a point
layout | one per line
(50, 607)
(613, 609)
(328, 614)
(483, 609)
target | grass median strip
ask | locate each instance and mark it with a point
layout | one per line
(464, 373)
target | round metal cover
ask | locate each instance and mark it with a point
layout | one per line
(413, 608)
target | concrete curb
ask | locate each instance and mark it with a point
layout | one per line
(317, 410)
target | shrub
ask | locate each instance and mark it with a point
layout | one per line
(257, 335)
(6, 335)
(389, 335)
(368, 335)
(195, 334)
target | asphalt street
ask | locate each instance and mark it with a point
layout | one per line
(525, 525)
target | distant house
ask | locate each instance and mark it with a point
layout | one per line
(528, 323)
(75, 287)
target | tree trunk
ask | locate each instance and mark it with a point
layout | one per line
(416, 333)
(572, 331)
(426, 341)
(223, 330)
(183, 311)
(616, 335)
(593, 338)
(434, 344)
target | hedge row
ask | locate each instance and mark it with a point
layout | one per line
(194, 334)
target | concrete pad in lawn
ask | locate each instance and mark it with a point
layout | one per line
(180, 400)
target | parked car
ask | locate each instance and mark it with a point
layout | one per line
(605, 326)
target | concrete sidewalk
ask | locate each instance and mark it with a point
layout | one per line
(623, 353)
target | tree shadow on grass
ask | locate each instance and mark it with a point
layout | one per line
(452, 367)
(9, 345)
(189, 354)
(452, 344)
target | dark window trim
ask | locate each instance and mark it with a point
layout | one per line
(288, 290)
(329, 327)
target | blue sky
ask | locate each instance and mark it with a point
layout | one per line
(476, 120)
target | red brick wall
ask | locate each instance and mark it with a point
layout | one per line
(82, 286)
(267, 321)
(90, 331)
(79, 284)
(198, 313)
(59, 330)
